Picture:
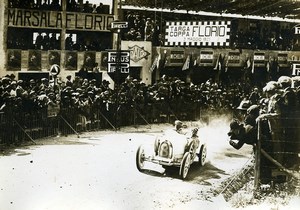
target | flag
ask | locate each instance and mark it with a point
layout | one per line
(176, 57)
(252, 67)
(163, 59)
(248, 63)
(186, 64)
(218, 63)
(226, 65)
(206, 57)
(158, 61)
(154, 64)
(268, 66)
(196, 61)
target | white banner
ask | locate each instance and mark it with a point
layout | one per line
(198, 33)
(296, 69)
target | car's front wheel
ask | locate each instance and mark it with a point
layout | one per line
(202, 155)
(185, 165)
(140, 157)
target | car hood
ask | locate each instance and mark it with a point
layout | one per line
(177, 140)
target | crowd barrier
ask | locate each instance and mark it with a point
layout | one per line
(277, 150)
(17, 127)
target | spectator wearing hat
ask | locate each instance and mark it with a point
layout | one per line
(241, 134)
(271, 95)
(242, 109)
(254, 96)
(100, 8)
(69, 81)
(13, 86)
(252, 113)
(149, 29)
(105, 85)
(296, 86)
(44, 84)
(32, 86)
(284, 82)
(19, 89)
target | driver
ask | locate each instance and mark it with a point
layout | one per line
(179, 127)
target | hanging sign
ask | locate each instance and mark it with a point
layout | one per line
(116, 58)
(198, 33)
(54, 70)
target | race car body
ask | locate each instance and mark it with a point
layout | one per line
(173, 149)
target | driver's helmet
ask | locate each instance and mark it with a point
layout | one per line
(178, 125)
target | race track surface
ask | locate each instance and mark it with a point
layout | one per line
(98, 171)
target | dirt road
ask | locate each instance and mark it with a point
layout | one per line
(98, 171)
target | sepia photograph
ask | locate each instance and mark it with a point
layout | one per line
(149, 104)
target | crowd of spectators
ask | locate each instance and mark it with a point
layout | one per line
(84, 101)
(45, 42)
(275, 116)
(30, 95)
(148, 26)
(172, 94)
(270, 40)
(72, 5)
(52, 41)
(143, 28)
(38, 4)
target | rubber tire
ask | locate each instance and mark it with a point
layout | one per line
(202, 155)
(156, 146)
(140, 154)
(185, 165)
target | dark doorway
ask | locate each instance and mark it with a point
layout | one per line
(135, 72)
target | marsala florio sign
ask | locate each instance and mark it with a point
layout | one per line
(58, 20)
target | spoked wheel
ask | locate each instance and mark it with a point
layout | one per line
(202, 155)
(185, 165)
(140, 157)
(156, 145)
(191, 150)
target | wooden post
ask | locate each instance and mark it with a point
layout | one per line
(257, 156)
(3, 37)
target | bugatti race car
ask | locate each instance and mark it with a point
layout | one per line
(173, 149)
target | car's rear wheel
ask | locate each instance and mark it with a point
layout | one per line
(202, 155)
(140, 158)
(185, 165)
(156, 146)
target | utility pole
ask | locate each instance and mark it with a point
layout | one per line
(117, 11)
(117, 46)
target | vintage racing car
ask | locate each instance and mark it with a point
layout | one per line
(172, 149)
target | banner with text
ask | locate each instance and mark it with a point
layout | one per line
(259, 59)
(206, 58)
(58, 19)
(198, 33)
(234, 59)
